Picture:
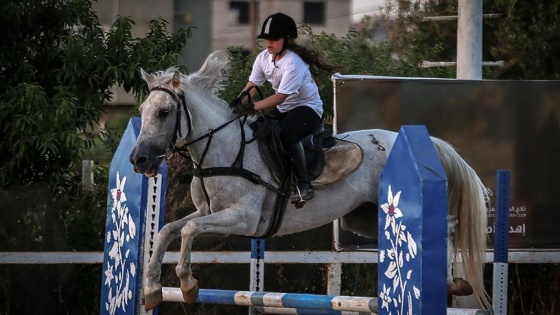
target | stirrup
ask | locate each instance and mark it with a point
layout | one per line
(304, 193)
(298, 202)
(308, 194)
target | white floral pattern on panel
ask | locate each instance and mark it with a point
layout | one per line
(402, 248)
(118, 270)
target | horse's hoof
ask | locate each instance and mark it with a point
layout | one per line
(459, 287)
(152, 299)
(190, 292)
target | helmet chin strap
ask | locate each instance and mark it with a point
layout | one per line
(280, 53)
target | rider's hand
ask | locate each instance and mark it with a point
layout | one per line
(236, 101)
(244, 109)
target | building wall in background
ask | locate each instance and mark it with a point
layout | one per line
(219, 24)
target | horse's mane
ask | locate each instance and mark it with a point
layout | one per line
(163, 76)
(211, 78)
(208, 81)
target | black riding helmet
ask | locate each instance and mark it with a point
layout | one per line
(278, 25)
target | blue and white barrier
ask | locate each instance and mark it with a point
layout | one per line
(294, 303)
(134, 215)
(412, 240)
(303, 303)
(412, 243)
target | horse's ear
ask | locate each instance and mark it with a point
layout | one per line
(147, 77)
(176, 82)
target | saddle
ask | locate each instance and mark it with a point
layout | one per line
(329, 159)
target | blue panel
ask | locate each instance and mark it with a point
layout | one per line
(412, 227)
(257, 248)
(212, 296)
(302, 311)
(307, 301)
(501, 238)
(317, 312)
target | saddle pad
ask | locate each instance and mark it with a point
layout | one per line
(341, 160)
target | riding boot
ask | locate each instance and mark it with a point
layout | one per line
(299, 165)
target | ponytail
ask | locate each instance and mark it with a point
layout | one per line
(312, 57)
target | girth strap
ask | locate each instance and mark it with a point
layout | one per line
(235, 171)
(282, 193)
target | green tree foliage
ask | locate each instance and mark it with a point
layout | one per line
(354, 53)
(526, 37)
(57, 70)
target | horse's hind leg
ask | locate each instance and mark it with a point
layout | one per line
(451, 226)
(455, 286)
(229, 221)
(152, 287)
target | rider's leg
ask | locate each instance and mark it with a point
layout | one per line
(296, 124)
(299, 165)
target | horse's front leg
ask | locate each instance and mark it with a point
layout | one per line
(152, 286)
(233, 220)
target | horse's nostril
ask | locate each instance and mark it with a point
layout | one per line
(141, 160)
(137, 161)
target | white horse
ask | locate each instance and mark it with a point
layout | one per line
(184, 110)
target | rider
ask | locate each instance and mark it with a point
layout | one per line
(291, 70)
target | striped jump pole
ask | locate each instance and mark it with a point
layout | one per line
(312, 303)
(294, 303)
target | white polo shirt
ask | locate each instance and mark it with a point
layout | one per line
(290, 76)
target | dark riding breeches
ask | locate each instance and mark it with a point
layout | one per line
(296, 124)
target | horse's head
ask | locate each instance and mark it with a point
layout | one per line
(166, 112)
(160, 117)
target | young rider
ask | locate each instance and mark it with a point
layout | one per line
(290, 69)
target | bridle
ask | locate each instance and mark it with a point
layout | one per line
(174, 147)
(179, 99)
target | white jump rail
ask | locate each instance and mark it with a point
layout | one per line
(530, 256)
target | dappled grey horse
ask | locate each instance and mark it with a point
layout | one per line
(184, 111)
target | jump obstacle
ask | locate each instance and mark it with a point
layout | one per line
(412, 245)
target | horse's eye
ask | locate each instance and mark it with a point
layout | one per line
(163, 113)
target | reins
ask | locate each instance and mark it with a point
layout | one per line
(181, 104)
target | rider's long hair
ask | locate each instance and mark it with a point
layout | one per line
(315, 60)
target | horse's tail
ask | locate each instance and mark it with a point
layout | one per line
(467, 202)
